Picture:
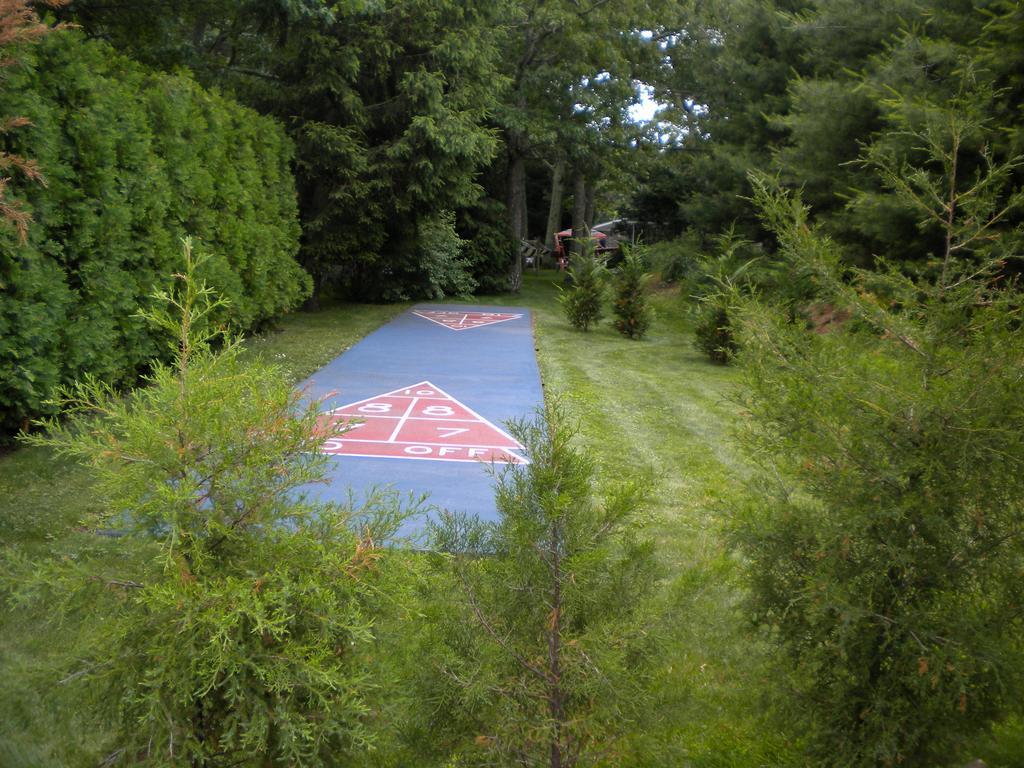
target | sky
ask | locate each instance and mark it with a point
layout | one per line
(644, 111)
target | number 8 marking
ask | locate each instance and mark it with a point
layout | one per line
(438, 410)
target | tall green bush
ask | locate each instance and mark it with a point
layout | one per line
(488, 247)
(884, 539)
(440, 269)
(716, 285)
(674, 260)
(133, 161)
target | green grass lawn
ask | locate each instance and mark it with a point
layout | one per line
(653, 406)
(305, 341)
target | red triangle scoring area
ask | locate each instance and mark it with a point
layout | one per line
(420, 421)
(460, 321)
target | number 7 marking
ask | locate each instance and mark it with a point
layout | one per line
(447, 432)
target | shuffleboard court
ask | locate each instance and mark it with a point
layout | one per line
(427, 398)
(459, 320)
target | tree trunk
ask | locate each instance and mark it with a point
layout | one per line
(516, 206)
(579, 211)
(591, 203)
(556, 696)
(555, 209)
(524, 210)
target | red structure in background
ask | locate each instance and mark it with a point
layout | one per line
(562, 239)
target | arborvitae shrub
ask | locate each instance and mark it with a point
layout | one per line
(713, 332)
(631, 302)
(582, 302)
(133, 160)
(716, 284)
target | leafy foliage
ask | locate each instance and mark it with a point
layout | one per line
(570, 85)
(132, 161)
(402, 109)
(441, 258)
(798, 88)
(713, 332)
(630, 300)
(546, 649)
(730, 65)
(583, 301)
(224, 623)
(674, 260)
(488, 247)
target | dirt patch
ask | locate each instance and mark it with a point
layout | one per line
(824, 318)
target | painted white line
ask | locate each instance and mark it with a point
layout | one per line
(443, 325)
(437, 394)
(424, 442)
(402, 421)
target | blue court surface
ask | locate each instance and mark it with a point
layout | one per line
(427, 398)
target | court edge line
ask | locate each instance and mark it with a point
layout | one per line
(517, 447)
(520, 459)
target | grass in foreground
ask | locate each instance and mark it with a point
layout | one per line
(653, 406)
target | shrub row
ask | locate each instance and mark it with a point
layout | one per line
(133, 160)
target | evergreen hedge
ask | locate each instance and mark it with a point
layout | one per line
(133, 161)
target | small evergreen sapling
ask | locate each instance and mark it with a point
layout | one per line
(631, 302)
(717, 286)
(544, 647)
(583, 301)
(223, 626)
